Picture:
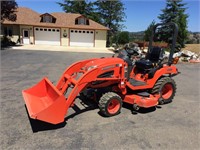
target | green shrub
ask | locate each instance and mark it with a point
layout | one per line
(5, 42)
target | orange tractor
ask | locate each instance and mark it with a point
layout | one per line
(143, 83)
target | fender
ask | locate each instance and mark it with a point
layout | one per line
(165, 70)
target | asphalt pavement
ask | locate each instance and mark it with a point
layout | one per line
(172, 126)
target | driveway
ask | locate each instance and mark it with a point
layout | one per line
(62, 48)
(172, 126)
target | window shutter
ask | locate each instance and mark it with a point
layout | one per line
(76, 21)
(87, 22)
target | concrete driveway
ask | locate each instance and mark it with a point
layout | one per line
(62, 48)
(172, 126)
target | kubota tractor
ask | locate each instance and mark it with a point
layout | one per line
(144, 83)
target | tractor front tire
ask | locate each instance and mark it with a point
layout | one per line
(110, 104)
(166, 87)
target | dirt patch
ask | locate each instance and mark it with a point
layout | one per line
(193, 48)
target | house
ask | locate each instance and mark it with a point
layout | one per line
(59, 28)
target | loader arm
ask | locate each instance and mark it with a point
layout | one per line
(68, 79)
(75, 68)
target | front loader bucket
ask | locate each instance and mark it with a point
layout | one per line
(45, 102)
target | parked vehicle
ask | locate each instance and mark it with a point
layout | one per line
(145, 83)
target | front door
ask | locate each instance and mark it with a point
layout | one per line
(26, 38)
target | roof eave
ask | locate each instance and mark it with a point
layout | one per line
(54, 26)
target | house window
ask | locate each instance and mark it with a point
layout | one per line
(49, 29)
(45, 29)
(82, 21)
(8, 31)
(57, 30)
(47, 18)
(53, 30)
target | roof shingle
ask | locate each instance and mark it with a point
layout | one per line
(26, 16)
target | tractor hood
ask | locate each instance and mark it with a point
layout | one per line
(101, 62)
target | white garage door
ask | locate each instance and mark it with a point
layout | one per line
(47, 36)
(83, 38)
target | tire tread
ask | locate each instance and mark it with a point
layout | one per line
(104, 100)
(160, 83)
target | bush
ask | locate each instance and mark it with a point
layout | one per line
(5, 42)
(123, 38)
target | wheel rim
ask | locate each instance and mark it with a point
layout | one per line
(113, 106)
(167, 91)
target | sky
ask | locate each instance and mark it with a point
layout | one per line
(139, 13)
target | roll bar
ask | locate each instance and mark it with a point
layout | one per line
(174, 37)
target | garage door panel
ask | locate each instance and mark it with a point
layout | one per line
(40, 42)
(40, 33)
(82, 44)
(47, 36)
(82, 38)
(55, 38)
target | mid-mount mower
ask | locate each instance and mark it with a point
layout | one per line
(143, 83)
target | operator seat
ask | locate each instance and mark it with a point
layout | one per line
(151, 63)
(155, 54)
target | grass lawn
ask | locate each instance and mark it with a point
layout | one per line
(193, 48)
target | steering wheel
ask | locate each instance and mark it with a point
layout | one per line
(132, 51)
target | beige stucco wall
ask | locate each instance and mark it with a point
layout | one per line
(15, 32)
(64, 40)
(30, 28)
(100, 38)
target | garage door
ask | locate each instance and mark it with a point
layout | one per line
(84, 38)
(47, 36)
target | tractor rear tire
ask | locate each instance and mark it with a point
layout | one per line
(166, 87)
(110, 104)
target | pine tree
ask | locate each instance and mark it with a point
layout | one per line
(147, 32)
(83, 7)
(174, 12)
(8, 9)
(183, 33)
(111, 14)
